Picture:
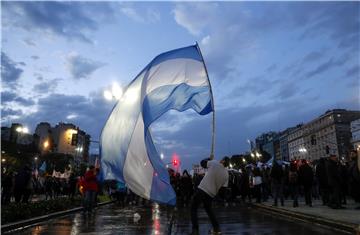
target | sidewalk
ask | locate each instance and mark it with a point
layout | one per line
(342, 219)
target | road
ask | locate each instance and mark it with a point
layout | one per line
(112, 219)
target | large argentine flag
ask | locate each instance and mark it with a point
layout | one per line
(173, 80)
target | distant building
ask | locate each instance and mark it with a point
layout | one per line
(16, 134)
(5, 133)
(296, 143)
(43, 137)
(284, 145)
(355, 133)
(269, 142)
(330, 131)
(64, 138)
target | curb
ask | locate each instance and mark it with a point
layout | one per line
(31, 222)
(329, 223)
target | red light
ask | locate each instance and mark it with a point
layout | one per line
(175, 160)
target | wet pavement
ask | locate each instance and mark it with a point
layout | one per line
(112, 219)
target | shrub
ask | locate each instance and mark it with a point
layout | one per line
(21, 211)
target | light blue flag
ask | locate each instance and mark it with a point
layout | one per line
(43, 167)
(173, 80)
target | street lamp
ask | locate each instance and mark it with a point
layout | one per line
(3, 160)
(22, 129)
(46, 144)
(258, 154)
(161, 156)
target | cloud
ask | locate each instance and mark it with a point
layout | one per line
(35, 57)
(354, 71)
(313, 56)
(70, 20)
(6, 112)
(8, 96)
(89, 113)
(242, 32)
(271, 68)
(46, 86)
(338, 21)
(331, 63)
(80, 67)
(10, 73)
(132, 14)
(29, 42)
(194, 17)
(140, 15)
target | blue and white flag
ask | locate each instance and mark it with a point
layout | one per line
(43, 167)
(173, 80)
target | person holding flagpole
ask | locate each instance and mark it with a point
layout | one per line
(216, 177)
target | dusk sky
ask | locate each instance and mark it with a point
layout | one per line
(272, 65)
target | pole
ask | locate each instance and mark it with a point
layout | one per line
(212, 106)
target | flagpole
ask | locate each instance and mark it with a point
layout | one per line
(212, 105)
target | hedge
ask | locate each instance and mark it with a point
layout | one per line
(21, 211)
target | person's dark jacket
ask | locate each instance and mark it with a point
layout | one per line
(306, 175)
(332, 169)
(277, 172)
(321, 173)
(22, 178)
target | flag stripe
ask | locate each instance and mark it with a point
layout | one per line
(179, 97)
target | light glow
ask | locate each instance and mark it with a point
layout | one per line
(117, 92)
(46, 144)
(108, 95)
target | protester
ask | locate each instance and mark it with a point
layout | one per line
(186, 187)
(21, 186)
(245, 184)
(277, 180)
(257, 181)
(306, 176)
(91, 188)
(216, 177)
(321, 174)
(354, 176)
(294, 183)
(7, 184)
(332, 169)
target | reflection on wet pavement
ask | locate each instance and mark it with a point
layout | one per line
(156, 220)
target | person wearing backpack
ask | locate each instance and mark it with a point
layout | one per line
(294, 183)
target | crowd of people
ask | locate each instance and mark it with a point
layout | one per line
(328, 179)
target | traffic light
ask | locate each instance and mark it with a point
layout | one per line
(327, 149)
(74, 139)
(175, 162)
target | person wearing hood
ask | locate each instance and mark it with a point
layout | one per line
(216, 177)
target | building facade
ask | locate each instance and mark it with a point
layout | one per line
(355, 133)
(269, 142)
(296, 143)
(64, 138)
(284, 145)
(329, 133)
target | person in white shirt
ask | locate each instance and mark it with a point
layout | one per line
(217, 176)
